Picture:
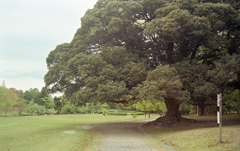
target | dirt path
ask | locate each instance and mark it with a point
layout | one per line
(123, 136)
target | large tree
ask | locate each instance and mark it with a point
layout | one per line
(119, 41)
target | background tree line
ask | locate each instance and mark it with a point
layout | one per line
(31, 101)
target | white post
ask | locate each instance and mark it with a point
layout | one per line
(219, 116)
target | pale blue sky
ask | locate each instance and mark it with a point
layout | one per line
(29, 30)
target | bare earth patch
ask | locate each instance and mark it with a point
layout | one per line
(69, 132)
(196, 122)
(85, 126)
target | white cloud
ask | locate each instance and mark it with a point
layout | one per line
(29, 30)
(24, 84)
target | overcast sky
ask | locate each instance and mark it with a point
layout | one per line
(29, 30)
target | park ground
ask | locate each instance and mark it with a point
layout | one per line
(202, 135)
(76, 133)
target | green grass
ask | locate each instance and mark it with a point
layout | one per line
(225, 117)
(201, 139)
(205, 139)
(40, 133)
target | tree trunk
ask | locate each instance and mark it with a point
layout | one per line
(173, 113)
(170, 52)
(201, 109)
(5, 113)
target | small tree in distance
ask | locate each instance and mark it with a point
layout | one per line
(147, 106)
(31, 108)
(48, 103)
(7, 100)
(21, 105)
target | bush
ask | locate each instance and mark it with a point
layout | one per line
(119, 114)
(100, 112)
(69, 109)
(40, 113)
(134, 115)
(114, 113)
(139, 113)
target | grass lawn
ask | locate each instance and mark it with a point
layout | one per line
(201, 139)
(52, 133)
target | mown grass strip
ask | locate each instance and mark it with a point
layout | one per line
(46, 133)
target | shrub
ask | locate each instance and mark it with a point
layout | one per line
(69, 109)
(134, 115)
(100, 112)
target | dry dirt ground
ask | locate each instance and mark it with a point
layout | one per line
(124, 136)
(204, 122)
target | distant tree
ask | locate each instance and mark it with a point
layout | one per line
(31, 107)
(3, 84)
(48, 103)
(31, 94)
(7, 99)
(83, 109)
(185, 108)
(59, 103)
(41, 109)
(69, 108)
(144, 106)
(160, 107)
(19, 93)
(93, 108)
(148, 106)
(40, 95)
(21, 105)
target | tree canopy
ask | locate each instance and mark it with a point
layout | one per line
(125, 51)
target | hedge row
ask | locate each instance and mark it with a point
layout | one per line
(122, 113)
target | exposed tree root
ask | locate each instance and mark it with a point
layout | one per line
(164, 122)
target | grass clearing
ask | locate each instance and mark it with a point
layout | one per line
(52, 133)
(205, 139)
(201, 139)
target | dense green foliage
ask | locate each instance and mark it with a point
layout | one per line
(161, 50)
(22, 102)
(232, 100)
